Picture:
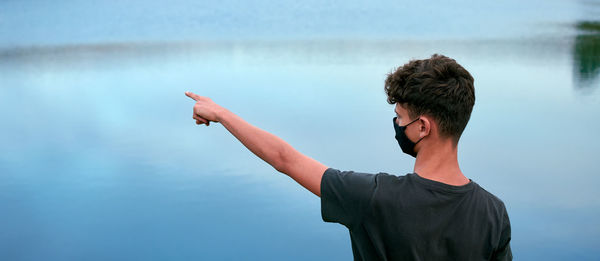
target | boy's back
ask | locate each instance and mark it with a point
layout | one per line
(413, 218)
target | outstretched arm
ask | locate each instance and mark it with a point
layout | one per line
(270, 148)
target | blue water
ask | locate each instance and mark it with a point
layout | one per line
(100, 158)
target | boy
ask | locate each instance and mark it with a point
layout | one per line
(434, 213)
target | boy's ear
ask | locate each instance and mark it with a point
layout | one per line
(424, 126)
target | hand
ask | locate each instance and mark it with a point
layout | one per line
(205, 110)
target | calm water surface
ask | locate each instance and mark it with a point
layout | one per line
(100, 158)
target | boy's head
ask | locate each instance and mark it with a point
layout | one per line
(437, 87)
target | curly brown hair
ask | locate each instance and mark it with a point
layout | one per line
(438, 87)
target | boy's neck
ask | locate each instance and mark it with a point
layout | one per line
(440, 163)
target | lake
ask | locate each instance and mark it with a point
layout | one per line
(101, 159)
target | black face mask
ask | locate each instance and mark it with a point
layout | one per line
(407, 145)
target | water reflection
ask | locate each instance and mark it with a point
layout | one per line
(292, 52)
(586, 55)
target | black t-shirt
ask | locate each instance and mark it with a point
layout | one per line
(413, 218)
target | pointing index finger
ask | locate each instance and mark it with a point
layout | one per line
(192, 95)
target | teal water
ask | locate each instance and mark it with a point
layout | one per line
(100, 158)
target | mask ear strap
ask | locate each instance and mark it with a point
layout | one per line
(420, 138)
(411, 122)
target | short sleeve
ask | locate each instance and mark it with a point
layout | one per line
(504, 252)
(345, 195)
